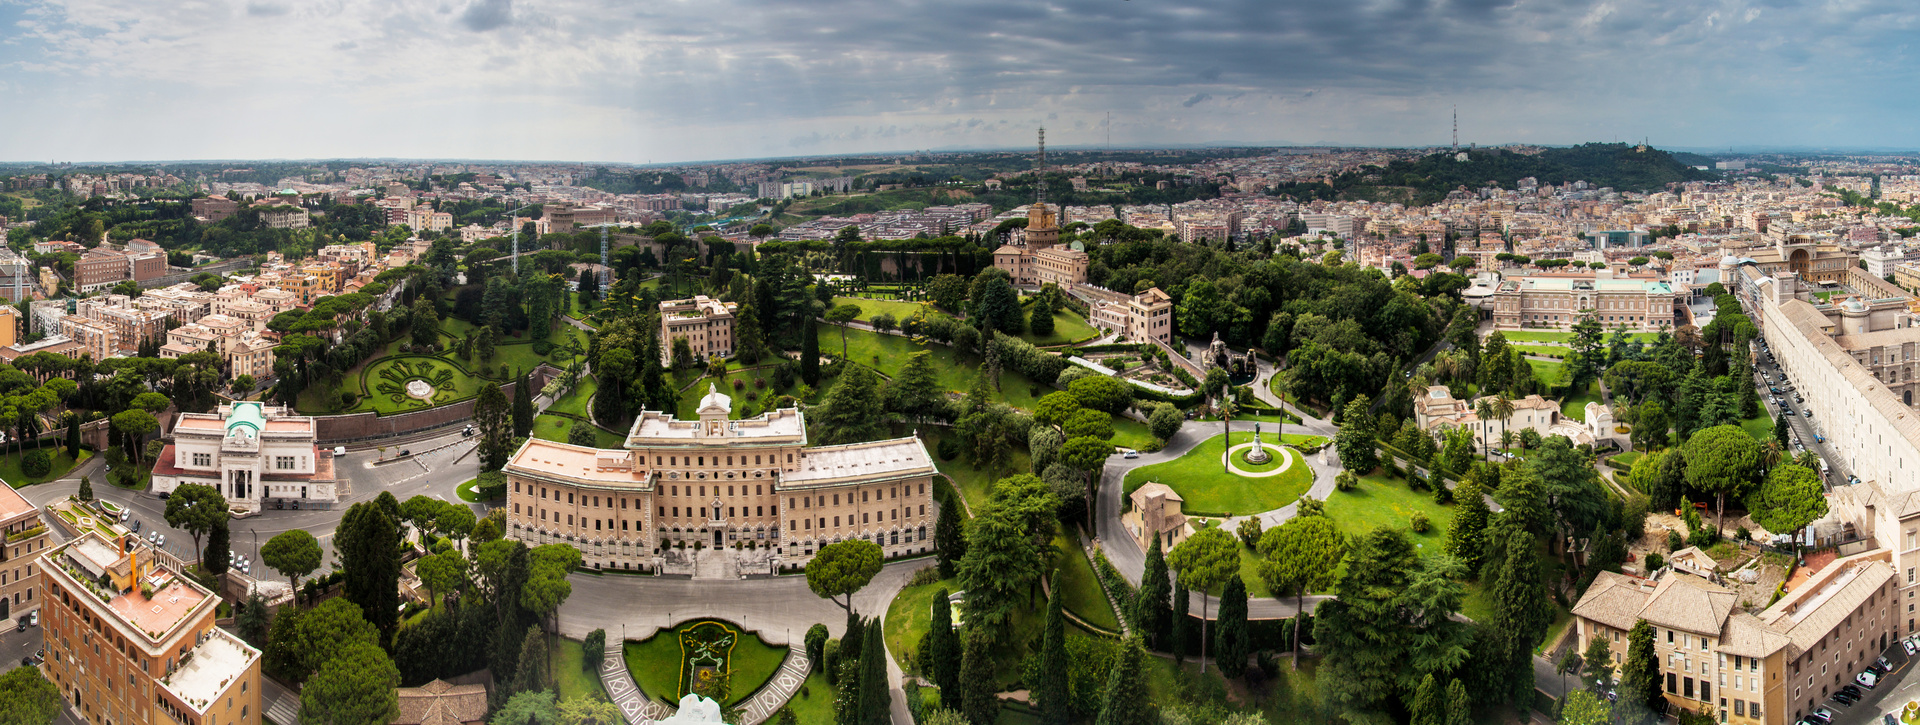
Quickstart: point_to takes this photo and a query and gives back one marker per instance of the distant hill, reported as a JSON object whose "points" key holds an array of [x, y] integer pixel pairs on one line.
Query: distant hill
{"points": [[1429, 178]]}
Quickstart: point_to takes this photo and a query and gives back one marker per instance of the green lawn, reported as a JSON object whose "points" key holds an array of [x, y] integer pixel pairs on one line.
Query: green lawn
{"points": [[908, 617], [1759, 426], [1067, 328], [1548, 374], [575, 401], [1575, 406], [62, 463], [888, 354], [1547, 350], [1628, 458], [467, 493], [570, 671], [974, 483], [1208, 490], [655, 664], [746, 398], [555, 428], [900, 310], [1544, 336], [813, 703], [1383, 502], [1084, 596]]}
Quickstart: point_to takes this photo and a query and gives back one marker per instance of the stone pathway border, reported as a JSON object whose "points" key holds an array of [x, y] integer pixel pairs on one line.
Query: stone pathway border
{"points": [[1286, 463], [778, 690], [633, 704]]}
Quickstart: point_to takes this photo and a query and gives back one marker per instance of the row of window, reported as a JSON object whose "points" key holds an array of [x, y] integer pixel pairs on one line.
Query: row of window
{"points": [[758, 490]]}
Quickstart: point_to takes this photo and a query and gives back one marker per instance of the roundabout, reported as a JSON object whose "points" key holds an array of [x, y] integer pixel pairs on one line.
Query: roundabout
{"points": [[1215, 479], [1259, 462]]}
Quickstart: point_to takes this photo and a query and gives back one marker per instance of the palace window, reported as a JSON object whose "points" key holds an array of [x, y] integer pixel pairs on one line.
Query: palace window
{"points": [[203, 459]]}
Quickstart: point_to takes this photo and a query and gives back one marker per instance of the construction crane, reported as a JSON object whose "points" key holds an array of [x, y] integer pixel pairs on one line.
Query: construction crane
{"points": [[516, 237]]}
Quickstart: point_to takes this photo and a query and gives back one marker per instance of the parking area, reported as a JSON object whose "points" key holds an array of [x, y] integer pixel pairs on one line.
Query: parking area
{"points": [[1890, 692], [15, 644]]}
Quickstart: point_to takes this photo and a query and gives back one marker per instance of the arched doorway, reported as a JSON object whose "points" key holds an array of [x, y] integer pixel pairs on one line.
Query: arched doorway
{"points": [[1909, 396], [1800, 262], [717, 543]]}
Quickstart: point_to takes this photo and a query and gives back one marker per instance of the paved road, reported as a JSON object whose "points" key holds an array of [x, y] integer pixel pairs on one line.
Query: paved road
{"points": [[1890, 695]]}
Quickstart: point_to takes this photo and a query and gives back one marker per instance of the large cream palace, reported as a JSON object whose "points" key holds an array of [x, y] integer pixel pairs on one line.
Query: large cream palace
{"points": [[721, 483]]}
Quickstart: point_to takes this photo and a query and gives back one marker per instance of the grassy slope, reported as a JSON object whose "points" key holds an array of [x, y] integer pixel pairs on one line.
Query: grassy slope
{"points": [[1210, 491], [570, 672], [62, 463], [1082, 591]]}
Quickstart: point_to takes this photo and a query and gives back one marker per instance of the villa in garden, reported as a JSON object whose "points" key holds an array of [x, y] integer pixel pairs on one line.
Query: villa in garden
{"points": [[716, 483], [259, 456], [1439, 410]]}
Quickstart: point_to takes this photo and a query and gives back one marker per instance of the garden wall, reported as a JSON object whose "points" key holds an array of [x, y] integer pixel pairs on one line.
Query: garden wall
{"points": [[369, 426]]}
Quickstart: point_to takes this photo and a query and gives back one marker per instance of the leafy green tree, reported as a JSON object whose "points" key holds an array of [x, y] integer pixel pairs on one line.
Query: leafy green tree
{"points": [[1153, 613], [442, 573], [1204, 561], [916, 393], [251, 620], [494, 418], [1428, 708], [1055, 408], [749, 343], [1467, 535], [367, 545], [1355, 440], [28, 698], [1087, 455], [1101, 392], [1300, 556], [133, 426], [1585, 708], [842, 568], [1235, 642], [976, 699], [949, 539], [816, 643], [1127, 701], [301, 641], [1596, 665], [1389, 625], [943, 646], [1640, 677], [533, 673], [842, 315], [1522, 496], [1000, 568], [86, 488], [1090, 424], [1165, 421], [1723, 460], [196, 509], [852, 412], [354, 687], [426, 323], [592, 710], [1040, 317], [996, 303], [593, 650], [1791, 498]]}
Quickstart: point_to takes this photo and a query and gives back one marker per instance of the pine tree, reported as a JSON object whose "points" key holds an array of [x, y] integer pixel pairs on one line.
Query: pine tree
{"points": [[1126, 701], [976, 700], [1040, 321], [1428, 708], [532, 674], [809, 353], [949, 540], [1354, 442], [1233, 642], [1467, 536], [73, 435], [86, 488], [213, 558], [1459, 706], [1180, 630], [943, 646], [1051, 690], [523, 406], [1152, 610], [749, 344], [1522, 611]]}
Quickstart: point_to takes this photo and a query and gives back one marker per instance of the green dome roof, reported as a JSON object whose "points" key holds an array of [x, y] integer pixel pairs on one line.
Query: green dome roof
{"points": [[248, 414]]}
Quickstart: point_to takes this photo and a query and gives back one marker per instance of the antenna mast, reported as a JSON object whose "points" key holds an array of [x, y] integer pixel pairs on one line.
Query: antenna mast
{"points": [[1456, 129]]}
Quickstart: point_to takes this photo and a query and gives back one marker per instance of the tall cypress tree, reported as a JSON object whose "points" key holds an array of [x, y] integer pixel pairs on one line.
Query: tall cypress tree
{"points": [[1428, 708], [1234, 643], [523, 406], [1052, 687], [1521, 611], [1459, 705], [949, 539], [1180, 633], [214, 558], [943, 646], [749, 344], [73, 435], [367, 542], [809, 353], [976, 700], [1640, 680], [876, 700], [1467, 536], [1152, 608], [1126, 701]]}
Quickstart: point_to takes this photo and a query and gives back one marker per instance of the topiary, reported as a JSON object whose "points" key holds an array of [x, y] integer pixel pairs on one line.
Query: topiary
{"points": [[35, 463], [1419, 523], [542, 347]]}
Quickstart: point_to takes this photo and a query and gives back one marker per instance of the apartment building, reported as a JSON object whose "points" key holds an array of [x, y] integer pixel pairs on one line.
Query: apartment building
{"points": [[25, 537], [94, 337], [258, 456], [1145, 316], [215, 208], [9, 326], [705, 323], [103, 267], [719, 482], [131, 641], [239, 343], [284, 216], [1767, 667]]}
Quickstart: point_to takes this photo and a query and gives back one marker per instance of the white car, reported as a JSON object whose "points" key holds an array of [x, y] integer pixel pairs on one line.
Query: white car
{"points": [[1911, 647], [1866, 680], [1129, 453]]}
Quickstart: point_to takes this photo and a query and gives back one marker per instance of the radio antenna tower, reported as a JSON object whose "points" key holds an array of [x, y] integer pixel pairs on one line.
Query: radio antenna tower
{"points": [[1109, 128], [1040, 190], [1456, 129]]}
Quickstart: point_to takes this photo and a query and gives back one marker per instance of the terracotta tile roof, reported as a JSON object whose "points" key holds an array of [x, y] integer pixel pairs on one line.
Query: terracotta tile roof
{"points": [[1615, 600], [441, 703], [1690, 604]]}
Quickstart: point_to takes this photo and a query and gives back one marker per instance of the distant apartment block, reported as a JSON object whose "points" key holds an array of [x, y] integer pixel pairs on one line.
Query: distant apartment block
{"points": [[239, 344], [101, 268], [284, 216], [215, 208], [705, 323]]}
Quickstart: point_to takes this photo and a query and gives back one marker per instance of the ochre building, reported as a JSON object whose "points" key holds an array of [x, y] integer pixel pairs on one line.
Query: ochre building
{"points": [[717, 482]]}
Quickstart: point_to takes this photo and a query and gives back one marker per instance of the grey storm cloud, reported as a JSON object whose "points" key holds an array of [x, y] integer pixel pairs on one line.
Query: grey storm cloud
{"points": [[1197, 99], [485, 15]]}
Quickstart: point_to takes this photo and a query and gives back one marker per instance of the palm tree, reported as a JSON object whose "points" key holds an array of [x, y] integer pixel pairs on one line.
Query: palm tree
{"points": [[1506, 438], [1502, 409], [1484, 408], [1770, 453]]}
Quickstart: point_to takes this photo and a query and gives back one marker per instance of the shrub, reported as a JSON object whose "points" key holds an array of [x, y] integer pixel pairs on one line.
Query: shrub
{"points": [[1419, 523], [1674, 542], [948, 449], [1655, 562], [348, 398], [492, 485], [1250, 531], [1346, 481], [35, 463], [542, 347], [759, 383]]}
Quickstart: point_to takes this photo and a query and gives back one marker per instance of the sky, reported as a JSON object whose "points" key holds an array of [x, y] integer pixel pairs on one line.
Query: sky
{"points": [[660, 81]]}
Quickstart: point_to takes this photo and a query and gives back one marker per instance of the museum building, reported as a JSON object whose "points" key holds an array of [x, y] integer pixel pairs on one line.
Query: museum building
{"points": [[716, 482]]}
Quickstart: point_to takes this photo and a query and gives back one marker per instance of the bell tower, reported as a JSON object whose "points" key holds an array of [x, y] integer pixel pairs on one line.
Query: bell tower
{"points": [[1043, 223]]}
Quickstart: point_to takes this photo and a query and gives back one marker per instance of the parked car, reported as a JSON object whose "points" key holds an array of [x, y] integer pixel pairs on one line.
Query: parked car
{"points": [[1129, 453], [1910, 646], [1867, 679], [1889, 719], [21, 627], [1852, 689], [161, 542], [1821, 714], [1845, 699], [136, 526], [339, 450], [124, 515], [1883, 664]]}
